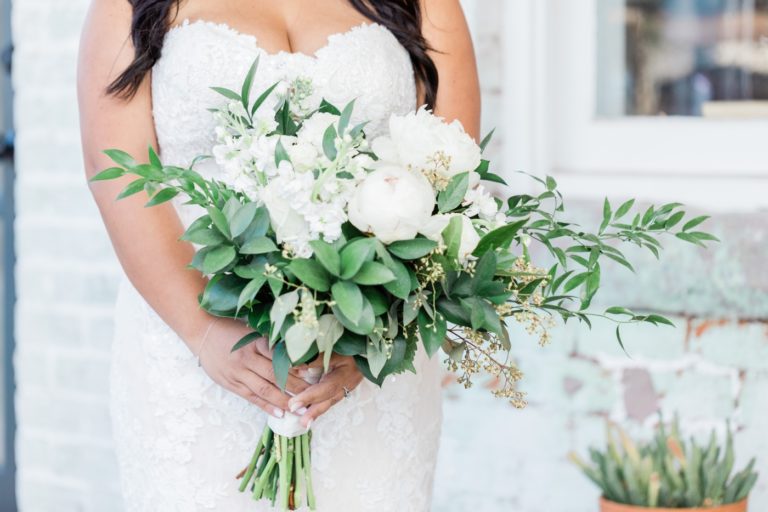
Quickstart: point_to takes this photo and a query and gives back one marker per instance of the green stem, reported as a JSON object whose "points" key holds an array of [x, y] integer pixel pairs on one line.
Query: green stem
{"points": [[258, 489], [256, 454], [298, 491], [308, 470], [283, 485]]}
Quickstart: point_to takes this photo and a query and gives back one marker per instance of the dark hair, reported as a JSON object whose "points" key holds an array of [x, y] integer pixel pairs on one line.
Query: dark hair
{"points": [[152, 19]]}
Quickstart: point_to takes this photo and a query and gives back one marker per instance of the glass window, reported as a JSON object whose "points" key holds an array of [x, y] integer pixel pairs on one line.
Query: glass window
{"points": [[682, 58]]}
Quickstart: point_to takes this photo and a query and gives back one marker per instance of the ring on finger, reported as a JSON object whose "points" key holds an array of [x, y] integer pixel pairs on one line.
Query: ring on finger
{"points": [[347, 392]]}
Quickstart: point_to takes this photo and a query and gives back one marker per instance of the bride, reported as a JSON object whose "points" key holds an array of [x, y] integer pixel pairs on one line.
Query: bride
{"points": [[186, 411]]}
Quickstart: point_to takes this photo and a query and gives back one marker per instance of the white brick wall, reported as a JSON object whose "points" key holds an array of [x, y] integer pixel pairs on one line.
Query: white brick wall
{"points": [[493, 458], [66, 277]]}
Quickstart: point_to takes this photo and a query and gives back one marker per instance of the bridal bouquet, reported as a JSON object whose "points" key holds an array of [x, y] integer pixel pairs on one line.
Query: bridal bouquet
{"points": [[325, 241]]}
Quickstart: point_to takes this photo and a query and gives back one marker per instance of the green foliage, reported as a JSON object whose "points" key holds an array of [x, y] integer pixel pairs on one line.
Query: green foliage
{"points": [[667, 472], [378, 302]]}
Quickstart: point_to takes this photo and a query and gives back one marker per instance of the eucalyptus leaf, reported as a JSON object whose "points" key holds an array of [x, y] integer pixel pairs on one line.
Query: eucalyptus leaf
{"points": [[282, 307], [348, 298], [311, 273], [299, 338], [373, 273]]}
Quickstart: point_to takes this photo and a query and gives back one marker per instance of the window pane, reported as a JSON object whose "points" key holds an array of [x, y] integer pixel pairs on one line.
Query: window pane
{"points": [[682, 57]]}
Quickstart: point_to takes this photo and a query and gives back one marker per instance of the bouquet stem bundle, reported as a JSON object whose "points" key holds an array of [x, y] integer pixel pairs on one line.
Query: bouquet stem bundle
{"points": [[280, 471]]}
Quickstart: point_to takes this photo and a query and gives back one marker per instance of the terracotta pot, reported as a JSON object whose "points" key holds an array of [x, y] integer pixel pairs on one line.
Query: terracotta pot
{"points": [[609, 506]]}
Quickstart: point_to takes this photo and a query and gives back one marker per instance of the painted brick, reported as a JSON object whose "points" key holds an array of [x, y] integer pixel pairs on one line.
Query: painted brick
{"points": [[734, 344]]}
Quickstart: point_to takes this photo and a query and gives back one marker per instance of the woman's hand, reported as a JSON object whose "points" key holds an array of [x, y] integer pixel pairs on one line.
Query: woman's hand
{"points": [[248, 371], [317, 399]]}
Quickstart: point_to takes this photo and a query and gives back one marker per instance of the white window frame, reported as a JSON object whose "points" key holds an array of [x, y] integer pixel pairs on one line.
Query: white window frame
{"points": [[552, 129]]}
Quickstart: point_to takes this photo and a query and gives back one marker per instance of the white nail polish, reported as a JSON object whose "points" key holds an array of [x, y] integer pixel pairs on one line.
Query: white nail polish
{"points": [[309, 425], [301, 411], [278, 413], [295, 406]]}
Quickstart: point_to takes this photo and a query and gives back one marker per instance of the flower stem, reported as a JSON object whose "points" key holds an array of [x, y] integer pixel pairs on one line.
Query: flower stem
{"points": [[259, 489], [308, 470], [256, 454]]}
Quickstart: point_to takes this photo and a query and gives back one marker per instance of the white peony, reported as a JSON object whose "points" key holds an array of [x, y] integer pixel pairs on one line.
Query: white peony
{"points": [[313, 129], [434, 227], [303, 156], [422, 141], [392, 203], [290, 226]]}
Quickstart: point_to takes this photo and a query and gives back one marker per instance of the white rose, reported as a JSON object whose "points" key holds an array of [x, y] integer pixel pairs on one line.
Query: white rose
{"points": [[288, 224], [303, 156], [313, 129], [434, 227], [392, 203], [415, 139]]}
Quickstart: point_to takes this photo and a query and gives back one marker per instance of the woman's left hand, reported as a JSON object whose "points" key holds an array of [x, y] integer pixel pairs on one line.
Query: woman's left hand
{"points": [[318, 398]]}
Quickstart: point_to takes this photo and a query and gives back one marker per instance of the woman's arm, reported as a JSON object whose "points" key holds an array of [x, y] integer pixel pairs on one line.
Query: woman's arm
{"points": [[458, 96], [146, 240]]}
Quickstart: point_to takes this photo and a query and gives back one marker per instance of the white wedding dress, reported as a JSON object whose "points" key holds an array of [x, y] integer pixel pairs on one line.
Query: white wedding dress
{"points": [[180, 438]]}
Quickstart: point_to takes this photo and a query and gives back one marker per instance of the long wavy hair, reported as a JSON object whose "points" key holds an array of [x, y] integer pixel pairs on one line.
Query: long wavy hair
{"points": [[152, 19]]}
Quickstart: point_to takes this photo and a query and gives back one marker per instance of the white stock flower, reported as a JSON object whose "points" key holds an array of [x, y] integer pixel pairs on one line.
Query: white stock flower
{"points": [[392, 203], [303, 156], [422, 141], [434, 227]]}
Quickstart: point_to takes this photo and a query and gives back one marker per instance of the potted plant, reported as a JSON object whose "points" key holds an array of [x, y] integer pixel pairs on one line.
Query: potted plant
{"points": [[667, 474]]}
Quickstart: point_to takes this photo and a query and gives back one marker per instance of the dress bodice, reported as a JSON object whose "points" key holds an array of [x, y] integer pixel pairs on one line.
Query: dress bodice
{"points": [[365, 63]]}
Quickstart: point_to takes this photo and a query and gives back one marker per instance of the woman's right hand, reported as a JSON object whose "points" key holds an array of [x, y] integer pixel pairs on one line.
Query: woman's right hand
{"points": [[248, 371]]}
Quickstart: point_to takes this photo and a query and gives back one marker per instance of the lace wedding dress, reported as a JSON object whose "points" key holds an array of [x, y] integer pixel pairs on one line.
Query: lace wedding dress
{"points": [[180, 438]]}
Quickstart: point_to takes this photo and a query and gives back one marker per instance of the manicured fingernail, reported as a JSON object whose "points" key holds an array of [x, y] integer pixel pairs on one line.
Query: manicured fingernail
{"points": [[278, 413], [301, 411], [295, 405], [309, 425]]}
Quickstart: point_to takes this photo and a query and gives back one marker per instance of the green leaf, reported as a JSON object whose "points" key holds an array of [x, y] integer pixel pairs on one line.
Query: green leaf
{"points": [[624, 209], [412, 249], [366, 323], [203, 236], [219, 220], [486, 140], [121, 158], [132, 188], [695, 222], [373, 273], [245, 341], [499, 238], [674, 219], [607, 215], [263, 97], [218, 259], [329, 108], [243, 218], [258, 227], [452, 236], [227, 93], [327, 256], [350, 344], [329, 143], [154, 160], [247, 83], [329, 332], [250, 291], [346, 115], [162, 196], [354, 254], [109, 174], [281, 155], [311, 273], [575, 281], [260, 245], [377, 357], [618, 310], [551, 183], [298, 339], [485, 270], [621, 342], [281, 308], [658, 319], [281, 364], [401, 286], [221, 294], [454, 193], [432, 331]]}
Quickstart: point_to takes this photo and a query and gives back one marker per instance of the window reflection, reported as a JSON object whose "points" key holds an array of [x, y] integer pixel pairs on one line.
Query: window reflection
{"points": [[681, 57]]}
